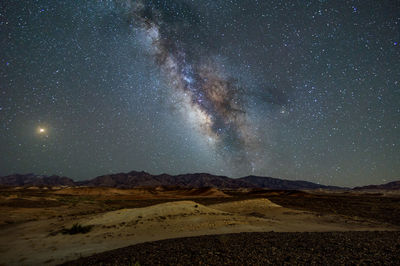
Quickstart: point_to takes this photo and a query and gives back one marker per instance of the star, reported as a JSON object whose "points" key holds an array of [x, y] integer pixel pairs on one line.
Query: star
{"points": [[42, 130]]}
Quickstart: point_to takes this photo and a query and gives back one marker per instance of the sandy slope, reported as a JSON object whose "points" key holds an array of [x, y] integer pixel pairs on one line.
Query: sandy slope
{"points": [[31, 243]]}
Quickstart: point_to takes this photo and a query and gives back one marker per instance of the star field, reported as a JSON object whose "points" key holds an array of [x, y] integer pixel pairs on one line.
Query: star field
{"points": [[299, 90]]}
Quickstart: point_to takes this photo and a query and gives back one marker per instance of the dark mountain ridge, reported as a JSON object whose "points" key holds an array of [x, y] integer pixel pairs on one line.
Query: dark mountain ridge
{"points": [[143, 179], [35, 180], [275, 183], [395, 185]]}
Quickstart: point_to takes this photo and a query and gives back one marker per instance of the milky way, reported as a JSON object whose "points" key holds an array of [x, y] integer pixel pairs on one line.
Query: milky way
{"points": [[214, 101]]}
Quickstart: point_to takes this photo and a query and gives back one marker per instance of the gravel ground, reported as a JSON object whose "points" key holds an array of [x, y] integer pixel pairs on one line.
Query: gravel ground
{"points": [[331, 248]]}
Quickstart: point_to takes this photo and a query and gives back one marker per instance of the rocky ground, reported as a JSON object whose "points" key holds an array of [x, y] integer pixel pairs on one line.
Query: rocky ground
{"points": [[328, 248]]}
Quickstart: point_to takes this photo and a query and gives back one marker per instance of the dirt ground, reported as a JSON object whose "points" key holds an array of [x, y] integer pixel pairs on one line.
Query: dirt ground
{"points": [[33, 218]]}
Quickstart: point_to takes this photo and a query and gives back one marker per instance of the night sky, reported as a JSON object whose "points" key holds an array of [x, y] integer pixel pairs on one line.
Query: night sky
{"points": [[290, 89]]}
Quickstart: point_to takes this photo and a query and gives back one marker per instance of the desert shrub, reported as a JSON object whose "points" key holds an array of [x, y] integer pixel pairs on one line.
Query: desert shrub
{"points": [[77, 229], [108, 201]]}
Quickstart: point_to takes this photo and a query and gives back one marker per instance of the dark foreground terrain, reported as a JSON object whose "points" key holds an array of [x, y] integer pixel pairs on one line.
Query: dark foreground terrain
{"points": [[329, 248]]}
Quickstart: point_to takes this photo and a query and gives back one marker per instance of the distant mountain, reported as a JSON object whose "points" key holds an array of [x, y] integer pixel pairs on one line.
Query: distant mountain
{"points": [[35, 180], [121, 180], [143, 179], [275, 183], [395, 185], [140, 179], [198, 180]]}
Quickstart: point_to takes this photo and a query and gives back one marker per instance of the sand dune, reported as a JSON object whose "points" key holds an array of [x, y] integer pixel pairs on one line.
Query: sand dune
{"points": [[261, 206], [169, 210]]}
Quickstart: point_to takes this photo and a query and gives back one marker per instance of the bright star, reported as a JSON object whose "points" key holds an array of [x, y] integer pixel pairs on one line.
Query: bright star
{"points": [[41, 130]]}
